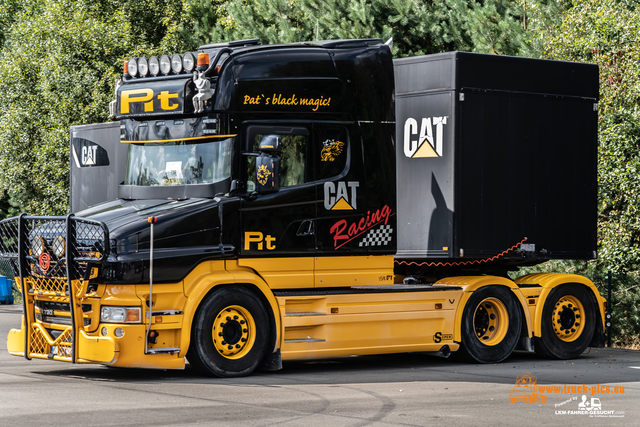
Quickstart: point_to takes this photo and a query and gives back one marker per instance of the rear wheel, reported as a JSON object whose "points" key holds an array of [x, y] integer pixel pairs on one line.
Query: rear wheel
{"points": [[229, 334], [568, 322], [491, 324]]}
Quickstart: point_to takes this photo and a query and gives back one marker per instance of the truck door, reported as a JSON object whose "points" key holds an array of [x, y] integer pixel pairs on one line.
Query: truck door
{"points": [[340, 189], [281, 224]]}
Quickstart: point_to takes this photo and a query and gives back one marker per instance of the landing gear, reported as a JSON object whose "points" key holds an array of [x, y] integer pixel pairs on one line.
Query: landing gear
{"points": [[229, 334]]}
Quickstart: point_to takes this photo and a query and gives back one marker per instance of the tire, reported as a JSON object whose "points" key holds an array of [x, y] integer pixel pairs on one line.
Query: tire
{"points": [[229, 334], [491, 325], [568, 322]]}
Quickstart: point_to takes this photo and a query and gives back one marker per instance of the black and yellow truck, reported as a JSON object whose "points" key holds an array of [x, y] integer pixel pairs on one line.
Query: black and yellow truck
{"points": [[315, 200]]}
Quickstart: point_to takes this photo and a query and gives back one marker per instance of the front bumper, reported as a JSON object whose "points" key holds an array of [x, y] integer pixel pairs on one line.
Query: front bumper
{"points": [[127, 351]]}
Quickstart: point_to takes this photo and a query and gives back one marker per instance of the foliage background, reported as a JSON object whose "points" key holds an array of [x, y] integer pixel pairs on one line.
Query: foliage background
{"points": [[59, 60]]}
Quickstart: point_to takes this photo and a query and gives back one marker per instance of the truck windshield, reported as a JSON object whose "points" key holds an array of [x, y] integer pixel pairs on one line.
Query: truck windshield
{"points": [[179, 162]]}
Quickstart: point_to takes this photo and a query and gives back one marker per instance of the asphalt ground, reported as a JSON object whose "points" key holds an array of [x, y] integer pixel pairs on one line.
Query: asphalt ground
{"points": [[389, 390]]}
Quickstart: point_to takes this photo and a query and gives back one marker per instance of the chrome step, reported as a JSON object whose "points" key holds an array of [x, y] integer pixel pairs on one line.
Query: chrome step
{"points": [[163, 350], [305, 313], [295, 341]]}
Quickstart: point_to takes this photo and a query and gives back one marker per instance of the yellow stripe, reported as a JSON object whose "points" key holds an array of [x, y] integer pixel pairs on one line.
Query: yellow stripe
{"points": [[182, 139]]}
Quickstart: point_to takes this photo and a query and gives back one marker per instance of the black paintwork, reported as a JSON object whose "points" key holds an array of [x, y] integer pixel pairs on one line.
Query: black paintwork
{"points": [[339, 90], [186, 233], [344, 91], [519, 160]]}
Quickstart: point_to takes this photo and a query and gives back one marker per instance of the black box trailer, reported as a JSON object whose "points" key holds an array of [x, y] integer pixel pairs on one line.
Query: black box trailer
{"points": [[491, 150]]}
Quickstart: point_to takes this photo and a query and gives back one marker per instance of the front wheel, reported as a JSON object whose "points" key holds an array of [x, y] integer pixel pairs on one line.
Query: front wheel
{"points": [[491, 325], [229, 334], [568, 322]]}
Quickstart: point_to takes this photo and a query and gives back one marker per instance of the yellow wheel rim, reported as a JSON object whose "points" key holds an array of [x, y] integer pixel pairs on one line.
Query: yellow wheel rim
{"points": [[491, 321], [568, 318], [234, 332]]}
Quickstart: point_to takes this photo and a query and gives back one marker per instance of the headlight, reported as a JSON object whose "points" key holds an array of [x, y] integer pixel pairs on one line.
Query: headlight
{"points": [[133, 67], [154, 65], [112, 314], [143, 66], [189, 62], [37, 246], [165, 64], [58, 246], [176, 63]]}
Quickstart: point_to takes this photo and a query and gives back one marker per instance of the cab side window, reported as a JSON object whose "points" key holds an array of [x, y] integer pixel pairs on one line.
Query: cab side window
{"points": [[294, 156], [331, 146]]}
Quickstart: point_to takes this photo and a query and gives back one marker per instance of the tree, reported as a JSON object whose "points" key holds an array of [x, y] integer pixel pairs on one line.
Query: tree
{"points": [[417, 26], [59, 64], [607, 33]]}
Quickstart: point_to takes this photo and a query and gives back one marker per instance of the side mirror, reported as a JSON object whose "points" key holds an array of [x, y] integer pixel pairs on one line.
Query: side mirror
{"points": [[270, 144], [267, 174]]}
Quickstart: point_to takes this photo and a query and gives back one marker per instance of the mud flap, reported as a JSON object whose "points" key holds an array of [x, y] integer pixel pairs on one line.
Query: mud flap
{"points": [[271, 361], [598, 340], [526, 344]]}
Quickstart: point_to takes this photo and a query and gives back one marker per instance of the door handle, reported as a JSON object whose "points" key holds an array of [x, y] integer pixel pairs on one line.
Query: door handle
{"points": [[306, 228]]}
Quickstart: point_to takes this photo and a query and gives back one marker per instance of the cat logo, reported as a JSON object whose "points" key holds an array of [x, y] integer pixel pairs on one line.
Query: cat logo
{"points": [[338, 198], [331, 149], [89, 155], [416, 147]]}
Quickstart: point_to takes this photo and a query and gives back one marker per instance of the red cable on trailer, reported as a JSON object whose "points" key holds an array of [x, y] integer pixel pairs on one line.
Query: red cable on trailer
{"points": [[454, 264]]}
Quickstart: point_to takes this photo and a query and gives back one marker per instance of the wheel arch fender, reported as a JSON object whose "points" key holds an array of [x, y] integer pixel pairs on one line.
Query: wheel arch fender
{"points": [[471, 284], [548, 282], [208, 280]]}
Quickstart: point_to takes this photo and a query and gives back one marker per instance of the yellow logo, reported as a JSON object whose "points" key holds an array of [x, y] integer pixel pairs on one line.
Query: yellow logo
{"points": [[263, 174], [259, 238], [331, 150], [146, 96], [341, 196]]}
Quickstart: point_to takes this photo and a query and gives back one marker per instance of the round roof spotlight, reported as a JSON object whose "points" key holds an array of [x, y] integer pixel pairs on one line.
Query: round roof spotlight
{"points": [[165, 64], [154, 66], [133, 67], [143, 66], [176, 63], [189, 61]]}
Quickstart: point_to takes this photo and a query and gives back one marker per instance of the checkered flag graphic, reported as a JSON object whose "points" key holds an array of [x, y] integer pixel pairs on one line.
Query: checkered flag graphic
{"points": [[378, 237]]}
